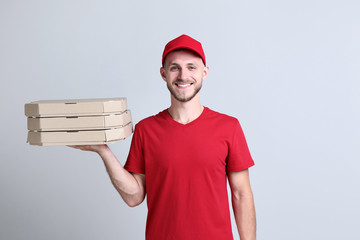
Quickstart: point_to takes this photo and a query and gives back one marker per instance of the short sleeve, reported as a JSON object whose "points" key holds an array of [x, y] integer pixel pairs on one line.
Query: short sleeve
{"points": [[239, 157], [135, 161]]}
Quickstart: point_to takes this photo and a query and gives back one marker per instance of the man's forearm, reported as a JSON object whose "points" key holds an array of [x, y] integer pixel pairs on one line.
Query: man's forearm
{"points": [[244, 211], [125, 183]]}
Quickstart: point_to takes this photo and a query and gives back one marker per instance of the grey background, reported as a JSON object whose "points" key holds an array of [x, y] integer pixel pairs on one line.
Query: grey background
{"points": [[288, 70]]}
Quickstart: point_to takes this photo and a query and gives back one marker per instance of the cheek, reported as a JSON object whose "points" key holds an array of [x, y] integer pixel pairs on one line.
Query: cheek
{"points": [[171, 76], [198, 75]]}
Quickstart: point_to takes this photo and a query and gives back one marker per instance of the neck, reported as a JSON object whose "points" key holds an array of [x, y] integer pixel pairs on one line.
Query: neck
{"points": [[185, 112]]}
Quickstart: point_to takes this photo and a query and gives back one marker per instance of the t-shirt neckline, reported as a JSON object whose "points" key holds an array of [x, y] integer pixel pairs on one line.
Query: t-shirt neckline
{"points": [[172, 121]]}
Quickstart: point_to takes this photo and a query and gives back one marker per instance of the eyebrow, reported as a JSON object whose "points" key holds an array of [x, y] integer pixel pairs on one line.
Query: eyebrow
{"points": [[175, 63]]}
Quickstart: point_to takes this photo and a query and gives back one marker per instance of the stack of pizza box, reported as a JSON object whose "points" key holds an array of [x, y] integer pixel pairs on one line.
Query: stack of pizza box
{"points": [[78, 121]]}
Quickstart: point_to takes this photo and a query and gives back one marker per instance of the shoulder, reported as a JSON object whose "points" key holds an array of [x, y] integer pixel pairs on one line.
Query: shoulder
{"points": [[152, 120], [221, 117]]}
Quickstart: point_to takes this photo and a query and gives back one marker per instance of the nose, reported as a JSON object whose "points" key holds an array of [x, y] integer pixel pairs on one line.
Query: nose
{"points": [[183, 74]]}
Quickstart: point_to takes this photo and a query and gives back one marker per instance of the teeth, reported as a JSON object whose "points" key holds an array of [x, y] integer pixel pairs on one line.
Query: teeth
{"points": [[184, 85]]}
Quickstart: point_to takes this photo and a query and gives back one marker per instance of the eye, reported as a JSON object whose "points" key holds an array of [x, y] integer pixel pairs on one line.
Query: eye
{"points": [[192, 67], [174, 68]]}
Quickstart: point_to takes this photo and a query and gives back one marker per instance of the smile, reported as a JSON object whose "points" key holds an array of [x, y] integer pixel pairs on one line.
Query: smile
{"points": [[183, 85]]}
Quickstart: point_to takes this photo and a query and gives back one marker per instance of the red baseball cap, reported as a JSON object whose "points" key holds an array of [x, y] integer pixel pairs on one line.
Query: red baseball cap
{"points": [[184, 42]]}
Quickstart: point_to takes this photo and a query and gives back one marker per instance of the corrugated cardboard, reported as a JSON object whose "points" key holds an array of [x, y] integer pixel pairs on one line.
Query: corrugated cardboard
{"points": [[79, 122], [75, 107], [85, 137]]}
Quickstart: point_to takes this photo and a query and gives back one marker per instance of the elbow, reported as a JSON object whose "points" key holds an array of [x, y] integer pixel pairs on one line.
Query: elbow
{"points": [[133, 200], [132, 197], [133, 203], [242, 195]]}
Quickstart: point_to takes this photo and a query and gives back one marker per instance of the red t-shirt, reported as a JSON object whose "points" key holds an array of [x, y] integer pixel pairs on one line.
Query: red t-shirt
{"points": [[186, 172]]}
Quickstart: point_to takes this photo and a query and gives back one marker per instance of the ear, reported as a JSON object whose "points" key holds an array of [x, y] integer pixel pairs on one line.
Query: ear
{"points": [[205, 72], [162, 73]]}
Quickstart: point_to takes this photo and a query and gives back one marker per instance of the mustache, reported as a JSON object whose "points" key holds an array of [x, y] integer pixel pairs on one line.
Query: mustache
{"points": [[183, 82]]}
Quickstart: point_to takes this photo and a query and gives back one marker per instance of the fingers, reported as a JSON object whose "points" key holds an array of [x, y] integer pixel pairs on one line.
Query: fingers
{"points": [[82, 147], [93, 148], [76, 146], [72, 146]]}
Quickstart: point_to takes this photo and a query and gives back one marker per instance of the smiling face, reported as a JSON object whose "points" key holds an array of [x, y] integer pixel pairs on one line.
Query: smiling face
{"points": [[183, 72]]}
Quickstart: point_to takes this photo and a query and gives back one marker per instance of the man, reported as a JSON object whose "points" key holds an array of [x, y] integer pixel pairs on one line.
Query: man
{"points": [[182, 157]]}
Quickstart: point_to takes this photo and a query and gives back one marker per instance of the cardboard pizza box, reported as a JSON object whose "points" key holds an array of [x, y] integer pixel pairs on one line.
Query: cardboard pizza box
{"points": [[83, 137], [79, 122], [75, 107]]}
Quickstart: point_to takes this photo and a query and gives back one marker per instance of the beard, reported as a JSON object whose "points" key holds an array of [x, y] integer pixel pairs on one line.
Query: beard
{"points": [[181, 97]]}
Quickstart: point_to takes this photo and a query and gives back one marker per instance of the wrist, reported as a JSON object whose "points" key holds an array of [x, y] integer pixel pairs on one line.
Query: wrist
{"points": [[102, 149]]}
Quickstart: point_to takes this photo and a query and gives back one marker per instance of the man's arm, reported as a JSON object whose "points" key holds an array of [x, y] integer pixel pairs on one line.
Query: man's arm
{"points": [[243, 204], [131, 186]]}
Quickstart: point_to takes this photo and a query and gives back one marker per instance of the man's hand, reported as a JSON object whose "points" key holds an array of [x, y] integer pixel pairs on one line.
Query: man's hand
{"points": [[93, 148]]}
